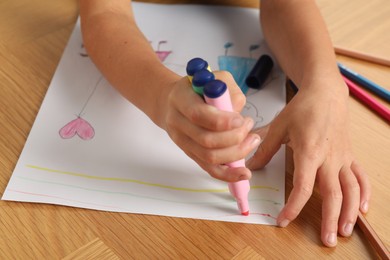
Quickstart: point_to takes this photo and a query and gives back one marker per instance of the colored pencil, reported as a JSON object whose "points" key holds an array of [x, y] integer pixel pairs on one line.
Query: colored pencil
{"points": [[362, 56], [367, 99], [364, 82]]}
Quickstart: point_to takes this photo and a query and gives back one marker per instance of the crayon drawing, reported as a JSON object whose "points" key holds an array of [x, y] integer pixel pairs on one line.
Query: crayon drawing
{"points": [[81, 127], [115, 159], [239, 67]]}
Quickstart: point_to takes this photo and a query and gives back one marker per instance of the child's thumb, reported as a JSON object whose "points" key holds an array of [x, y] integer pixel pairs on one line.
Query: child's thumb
{"points": [[266, 150]]}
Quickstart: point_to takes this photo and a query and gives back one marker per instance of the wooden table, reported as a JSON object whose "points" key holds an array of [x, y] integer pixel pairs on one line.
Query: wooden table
{"points": [[33, 35]]}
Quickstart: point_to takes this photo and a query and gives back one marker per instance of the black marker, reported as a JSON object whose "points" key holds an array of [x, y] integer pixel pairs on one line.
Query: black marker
{"points": [[260, 72]]}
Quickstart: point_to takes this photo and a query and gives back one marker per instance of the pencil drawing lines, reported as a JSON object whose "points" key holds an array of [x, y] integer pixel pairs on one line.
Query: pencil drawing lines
{"points": [[79, 126], [251, 110]]}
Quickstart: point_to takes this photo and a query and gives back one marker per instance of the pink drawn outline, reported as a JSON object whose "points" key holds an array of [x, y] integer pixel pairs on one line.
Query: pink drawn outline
{"points": [[80, 126], [83, 128], [77, 126], [162, 55]]}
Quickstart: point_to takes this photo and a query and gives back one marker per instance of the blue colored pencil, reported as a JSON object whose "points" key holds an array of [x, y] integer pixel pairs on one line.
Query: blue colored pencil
{"points": [[359, 79]]}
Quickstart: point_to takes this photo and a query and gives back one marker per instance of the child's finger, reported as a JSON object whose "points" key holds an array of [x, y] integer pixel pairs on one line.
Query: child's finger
{"points": [[351, 200], [219, 155], [331, 206], [262, 131], [303, 184], [227, 174], [183, 100], [178, 125], [267, 149], [365, 187], [214, 140], [218, 171], [211, 118], [236, 95], [228, 154]]}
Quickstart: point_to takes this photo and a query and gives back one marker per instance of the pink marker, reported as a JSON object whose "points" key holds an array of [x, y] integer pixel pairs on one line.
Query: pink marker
{"points": [[216, 94]]}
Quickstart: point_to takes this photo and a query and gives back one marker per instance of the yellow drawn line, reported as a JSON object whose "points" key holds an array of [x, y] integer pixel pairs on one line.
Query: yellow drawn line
{"points": [[137, 181]]}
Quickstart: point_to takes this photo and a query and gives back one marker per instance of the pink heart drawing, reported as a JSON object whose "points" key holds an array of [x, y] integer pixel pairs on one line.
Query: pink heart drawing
{"points": [[77, 126]]}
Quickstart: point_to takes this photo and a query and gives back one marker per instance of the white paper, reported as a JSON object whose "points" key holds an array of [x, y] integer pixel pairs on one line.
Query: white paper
{"points": [[126, 163]]}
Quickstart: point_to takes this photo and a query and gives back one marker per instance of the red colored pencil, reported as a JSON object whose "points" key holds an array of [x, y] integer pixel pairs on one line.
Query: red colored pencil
{"points": [[367, 99]]}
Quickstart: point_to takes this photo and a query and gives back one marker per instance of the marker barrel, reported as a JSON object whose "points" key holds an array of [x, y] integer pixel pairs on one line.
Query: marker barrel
{"points": [[260, 72], [216, 94]]}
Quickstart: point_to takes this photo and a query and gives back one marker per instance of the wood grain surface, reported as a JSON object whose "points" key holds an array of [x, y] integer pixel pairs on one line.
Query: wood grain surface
{"points": [[33, 34]]}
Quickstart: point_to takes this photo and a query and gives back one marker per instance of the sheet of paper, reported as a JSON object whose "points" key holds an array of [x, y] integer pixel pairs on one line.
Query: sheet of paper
{"points": [[91, 148]]}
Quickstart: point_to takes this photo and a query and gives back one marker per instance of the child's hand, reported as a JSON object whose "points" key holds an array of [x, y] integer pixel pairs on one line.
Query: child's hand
{"points": [[207, 135], [315, 125]]}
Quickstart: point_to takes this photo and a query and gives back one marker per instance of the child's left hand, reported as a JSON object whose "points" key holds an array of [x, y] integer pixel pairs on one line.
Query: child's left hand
{"points": [[315, 125]]}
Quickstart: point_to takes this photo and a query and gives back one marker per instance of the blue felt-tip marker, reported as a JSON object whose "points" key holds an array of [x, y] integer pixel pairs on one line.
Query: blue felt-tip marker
{"points": [[359, 79]]}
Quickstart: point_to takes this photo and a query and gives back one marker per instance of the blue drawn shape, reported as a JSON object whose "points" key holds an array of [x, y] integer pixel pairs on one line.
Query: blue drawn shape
{"points": [[239, 67]]}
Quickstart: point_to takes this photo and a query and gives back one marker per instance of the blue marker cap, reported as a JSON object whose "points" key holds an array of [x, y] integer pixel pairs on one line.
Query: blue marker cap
{"points": [[214, 88], [195, 65], [259, 72], [201, 77]]}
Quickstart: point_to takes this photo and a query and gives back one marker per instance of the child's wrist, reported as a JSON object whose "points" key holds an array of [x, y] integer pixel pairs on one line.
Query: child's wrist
{"points": [[162, 102], [327, 85]]}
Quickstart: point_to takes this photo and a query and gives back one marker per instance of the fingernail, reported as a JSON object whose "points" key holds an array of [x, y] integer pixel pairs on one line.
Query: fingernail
{"points": [[255, 141], [249, 125], [284, 223], [348, 228], [364, 207], [237, 122], [331, 239]]}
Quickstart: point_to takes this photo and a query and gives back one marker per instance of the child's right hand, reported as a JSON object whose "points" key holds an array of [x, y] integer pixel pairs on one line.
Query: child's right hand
{"points": [[207, 135]]}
